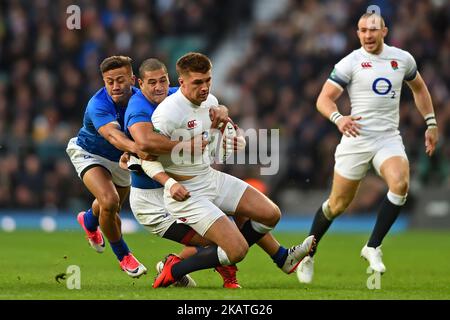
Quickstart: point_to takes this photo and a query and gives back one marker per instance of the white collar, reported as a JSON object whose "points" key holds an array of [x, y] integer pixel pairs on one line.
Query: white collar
{"points": [[186, 100], [381, 55]]}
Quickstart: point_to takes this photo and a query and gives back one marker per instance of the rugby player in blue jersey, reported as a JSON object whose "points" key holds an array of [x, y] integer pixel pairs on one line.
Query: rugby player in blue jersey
{"points": [[95, 154]]}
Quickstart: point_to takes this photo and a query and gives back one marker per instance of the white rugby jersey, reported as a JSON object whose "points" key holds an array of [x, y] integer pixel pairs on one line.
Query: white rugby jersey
{"points": [[374, 84], [177, 117]]}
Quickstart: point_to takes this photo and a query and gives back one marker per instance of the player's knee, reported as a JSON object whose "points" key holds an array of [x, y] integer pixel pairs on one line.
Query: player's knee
{"points": [[337, 206], [109, 203], [238, 252], [400, 186], [271, 216], [275, 216]]}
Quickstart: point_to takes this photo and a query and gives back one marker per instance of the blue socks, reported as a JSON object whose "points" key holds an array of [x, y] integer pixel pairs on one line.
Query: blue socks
{"points": [[90, 221], [120, 248], [280, 257]]}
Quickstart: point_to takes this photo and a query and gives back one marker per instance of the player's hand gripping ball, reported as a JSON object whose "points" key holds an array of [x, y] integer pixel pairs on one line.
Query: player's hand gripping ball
{"points": [[222, 141]]}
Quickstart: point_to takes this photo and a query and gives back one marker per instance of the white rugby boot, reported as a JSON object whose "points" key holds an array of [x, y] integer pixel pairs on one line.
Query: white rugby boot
{"points": [[186, 281], [297, 253], [305, 270], [373, 256]]}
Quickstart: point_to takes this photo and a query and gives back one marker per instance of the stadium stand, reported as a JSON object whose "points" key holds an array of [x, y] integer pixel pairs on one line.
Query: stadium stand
{"points": [[47, 74]]}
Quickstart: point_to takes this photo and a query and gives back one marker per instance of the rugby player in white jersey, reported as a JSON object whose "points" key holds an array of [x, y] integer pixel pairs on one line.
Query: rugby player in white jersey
{"points": [[212, 193], [373, 76], [146, 196]]}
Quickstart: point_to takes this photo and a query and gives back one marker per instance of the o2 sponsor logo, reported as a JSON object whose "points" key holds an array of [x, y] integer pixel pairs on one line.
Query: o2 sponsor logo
{"points": [[382, 87]]}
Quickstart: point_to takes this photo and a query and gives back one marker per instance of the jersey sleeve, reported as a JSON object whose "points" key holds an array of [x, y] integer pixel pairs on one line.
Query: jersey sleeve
{"points": [[138, 111], [342, 72], [136, 117], [214, 100], [163, 122], [411, 67], [100, 114]]}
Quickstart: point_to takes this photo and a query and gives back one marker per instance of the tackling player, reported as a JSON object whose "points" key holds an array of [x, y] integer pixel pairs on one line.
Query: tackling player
{"points": [[95, 154], [373, 76]]}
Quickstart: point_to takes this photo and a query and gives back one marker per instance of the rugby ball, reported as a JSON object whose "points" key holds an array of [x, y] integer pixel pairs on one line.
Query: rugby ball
{"points": [[222, 141]]}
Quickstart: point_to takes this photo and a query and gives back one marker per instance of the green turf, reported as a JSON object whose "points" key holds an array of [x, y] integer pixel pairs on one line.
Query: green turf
{"points": [[418, 266]]}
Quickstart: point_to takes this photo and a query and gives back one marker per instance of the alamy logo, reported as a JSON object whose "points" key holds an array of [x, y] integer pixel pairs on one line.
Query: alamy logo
{"points": [[374, 280], [73, 21], [72, 277], [260, 147]]}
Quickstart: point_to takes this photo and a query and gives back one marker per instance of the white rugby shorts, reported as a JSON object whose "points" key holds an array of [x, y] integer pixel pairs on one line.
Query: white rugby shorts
{"points": [[82, 160], [213, 195], [355, 155], [147, 206]]}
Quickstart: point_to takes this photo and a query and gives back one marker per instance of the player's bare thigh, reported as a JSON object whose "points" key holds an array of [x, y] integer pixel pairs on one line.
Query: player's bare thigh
{"points": [[256, 206], [395, 171], [99, 182], [343, 191]]}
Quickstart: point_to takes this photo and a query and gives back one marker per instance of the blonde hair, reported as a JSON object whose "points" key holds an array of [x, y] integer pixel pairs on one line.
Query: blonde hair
{"points": [[376, 21]]}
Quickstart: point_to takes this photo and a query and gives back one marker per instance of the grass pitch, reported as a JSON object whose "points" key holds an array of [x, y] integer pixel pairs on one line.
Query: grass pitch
{"points": [[418, 267]]}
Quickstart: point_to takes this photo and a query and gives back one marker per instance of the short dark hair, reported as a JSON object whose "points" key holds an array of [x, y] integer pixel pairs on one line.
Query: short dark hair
{"points": [[115, 62], [151, 64], [193, 62]]}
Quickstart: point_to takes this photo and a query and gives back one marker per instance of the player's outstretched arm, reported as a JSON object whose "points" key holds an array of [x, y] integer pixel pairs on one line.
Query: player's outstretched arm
{"points": [[112, 133], [422, 99], [149, 141], [326, 105]]}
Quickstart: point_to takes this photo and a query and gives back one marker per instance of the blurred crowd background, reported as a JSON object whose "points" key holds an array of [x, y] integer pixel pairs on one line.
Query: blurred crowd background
{"points": [[48, 73]]}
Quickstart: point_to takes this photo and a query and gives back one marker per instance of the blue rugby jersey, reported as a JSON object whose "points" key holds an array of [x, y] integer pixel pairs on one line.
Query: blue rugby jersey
{"points": [[140, 109], [101, 110]]}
